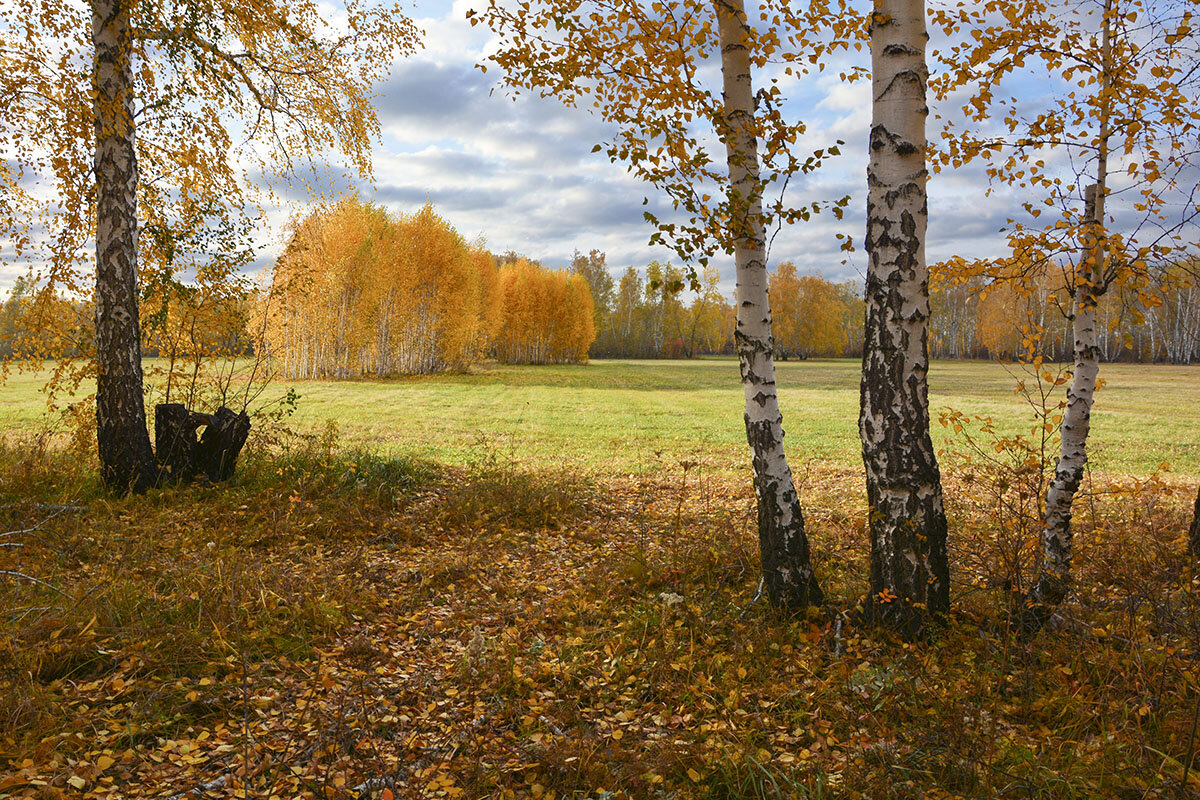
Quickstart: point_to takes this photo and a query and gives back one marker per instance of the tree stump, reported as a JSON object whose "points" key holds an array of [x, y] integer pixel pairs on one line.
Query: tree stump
{"points": [[217, 452], [1194, 534], [175, 442], [182, 456]]}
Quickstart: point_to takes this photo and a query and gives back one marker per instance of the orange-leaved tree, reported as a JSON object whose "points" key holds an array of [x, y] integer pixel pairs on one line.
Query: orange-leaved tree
{"points": [[809, 314], [132, 132], [639, 65], [548, 316], [360, 291]]}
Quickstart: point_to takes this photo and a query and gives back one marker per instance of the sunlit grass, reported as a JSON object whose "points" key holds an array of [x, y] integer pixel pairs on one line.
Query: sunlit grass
{"points": [[617, 417]]}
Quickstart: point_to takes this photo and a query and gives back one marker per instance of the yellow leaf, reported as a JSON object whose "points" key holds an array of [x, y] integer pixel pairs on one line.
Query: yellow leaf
{"points": [[695, 776]]}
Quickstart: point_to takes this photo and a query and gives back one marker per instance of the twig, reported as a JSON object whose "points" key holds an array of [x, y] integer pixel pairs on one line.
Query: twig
{"points": [[216, 783], [368, 787], [38, 581], [754, 599], [44, 507], [549, 723]]}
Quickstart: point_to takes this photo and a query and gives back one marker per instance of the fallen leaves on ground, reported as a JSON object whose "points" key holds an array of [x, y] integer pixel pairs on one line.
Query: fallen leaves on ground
{"points": [[329, 641]]}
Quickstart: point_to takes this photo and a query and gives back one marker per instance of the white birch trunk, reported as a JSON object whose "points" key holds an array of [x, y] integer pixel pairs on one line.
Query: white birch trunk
{"points": [[783, 546], [909, 567], [123, 442], [1054, 578]]}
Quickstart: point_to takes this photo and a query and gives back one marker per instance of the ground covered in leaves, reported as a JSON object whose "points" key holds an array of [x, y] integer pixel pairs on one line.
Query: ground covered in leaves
{"points": [[339, 625]]}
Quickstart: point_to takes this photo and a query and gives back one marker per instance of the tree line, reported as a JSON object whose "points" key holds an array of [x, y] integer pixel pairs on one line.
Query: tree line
{"points": [[1158, 322], [662, 312], [646, 313]]}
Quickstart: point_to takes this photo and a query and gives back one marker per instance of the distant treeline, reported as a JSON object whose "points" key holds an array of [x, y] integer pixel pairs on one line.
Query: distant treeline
{"points": [[360, 291], [1157, 322], [659, 314], [654, 315]]}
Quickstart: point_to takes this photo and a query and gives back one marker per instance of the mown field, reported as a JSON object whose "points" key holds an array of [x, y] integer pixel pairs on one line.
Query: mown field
{"points": [[611, 417], [541, 583]]}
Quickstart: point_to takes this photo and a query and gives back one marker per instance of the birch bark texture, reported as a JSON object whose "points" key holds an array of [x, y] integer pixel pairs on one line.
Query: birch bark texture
{"points": [[1194, 532], [909, 569], [788, 575], [1054, 576], [126, 458]]}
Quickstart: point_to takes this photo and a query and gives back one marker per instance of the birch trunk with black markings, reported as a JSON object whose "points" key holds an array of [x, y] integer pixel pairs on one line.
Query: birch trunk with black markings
{"points": [[909, 567], [1054, 577], [126, 459], [788, 575]]}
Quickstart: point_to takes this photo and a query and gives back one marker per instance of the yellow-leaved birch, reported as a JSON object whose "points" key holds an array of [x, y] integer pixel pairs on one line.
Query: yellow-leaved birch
{"points": [[1086, 104], [132, 134], [638, 65]]}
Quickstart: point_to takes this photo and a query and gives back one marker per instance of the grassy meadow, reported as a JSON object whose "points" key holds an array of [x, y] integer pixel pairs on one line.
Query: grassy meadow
{"points": [[540, 583], [612, 417]]}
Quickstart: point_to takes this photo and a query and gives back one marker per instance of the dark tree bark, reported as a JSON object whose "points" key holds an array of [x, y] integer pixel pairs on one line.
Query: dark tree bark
{"points": [[1194, 534], [175, 441], [910, 578], [217, 452], [182, 456], [126, 459]]}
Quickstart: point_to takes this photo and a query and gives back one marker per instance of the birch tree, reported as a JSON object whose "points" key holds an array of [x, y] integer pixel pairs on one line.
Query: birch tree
{"points": [[189, 104], [126, 458], [909, 567], [637, 64], [1120, 112], [783, 545]]}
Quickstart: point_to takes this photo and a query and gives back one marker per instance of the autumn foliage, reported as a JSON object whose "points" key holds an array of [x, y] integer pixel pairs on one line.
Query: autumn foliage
{"points": [[548, 316], [360, 291], [810, 315], [1010, 316]]}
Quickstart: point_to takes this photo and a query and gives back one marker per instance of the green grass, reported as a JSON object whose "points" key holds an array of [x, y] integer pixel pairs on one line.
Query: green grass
{"points": [[613, 417]]}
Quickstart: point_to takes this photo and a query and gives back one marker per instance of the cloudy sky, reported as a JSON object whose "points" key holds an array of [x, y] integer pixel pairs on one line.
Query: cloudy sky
{"points": [[521, 174]]}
